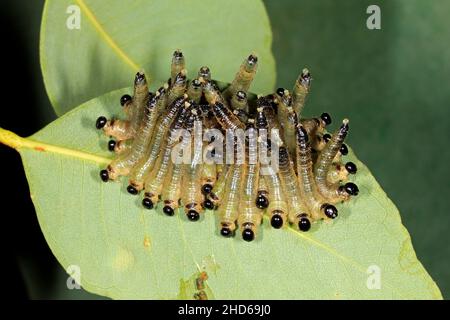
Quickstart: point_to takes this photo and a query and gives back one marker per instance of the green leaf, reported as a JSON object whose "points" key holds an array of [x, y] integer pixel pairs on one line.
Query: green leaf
{"points": [[125, 251], [117, 38]]}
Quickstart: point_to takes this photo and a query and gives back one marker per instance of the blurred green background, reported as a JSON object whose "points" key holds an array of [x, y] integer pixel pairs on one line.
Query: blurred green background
{"points": [[393, 84]]}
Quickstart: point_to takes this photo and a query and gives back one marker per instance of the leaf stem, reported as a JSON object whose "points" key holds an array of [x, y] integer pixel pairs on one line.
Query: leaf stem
{"points": [[12, 140]]}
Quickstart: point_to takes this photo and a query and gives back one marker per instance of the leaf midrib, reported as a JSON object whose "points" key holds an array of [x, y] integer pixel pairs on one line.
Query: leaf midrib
{"points": [[105, 36]]}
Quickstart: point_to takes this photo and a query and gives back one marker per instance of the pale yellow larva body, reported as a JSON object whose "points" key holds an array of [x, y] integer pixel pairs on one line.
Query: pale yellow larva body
{"points": [[171, 192], [208, 175], [194, 91], [217, 193], [243, 78], [250, 217], [143, 169], [229, 208], [300, 91], [331, 192], [118, 129], [178, 87], [239, 101], [277, 200], [191, 194], [139, 102], [307, 186], [127, 160], [296, 205], [178, 64]]}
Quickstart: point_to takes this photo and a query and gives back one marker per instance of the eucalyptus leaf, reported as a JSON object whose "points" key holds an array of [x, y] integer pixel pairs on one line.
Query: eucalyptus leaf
{"points": [[125, 251], [116, 38]]}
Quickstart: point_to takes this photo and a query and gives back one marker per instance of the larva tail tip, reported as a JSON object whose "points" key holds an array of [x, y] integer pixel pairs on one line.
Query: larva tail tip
{"points": [[177, 53], [305, 72], [252, 59], [140, 77]]}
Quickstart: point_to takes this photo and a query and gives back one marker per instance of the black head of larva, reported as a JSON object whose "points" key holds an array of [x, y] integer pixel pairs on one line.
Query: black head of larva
{"points": [[111, 145], [124, 99], [206, 189], [262, 202], [168, 211], [248, 234], [101, 122], [132, 190], [304, 224], [326, 137], [104, 175], [351, 167], [276, 221], [147, 203], [344, 149], [351, 188], [326, 118], [208, 204], [193, 215], [226, 232], [330, 211], [280, 92]]}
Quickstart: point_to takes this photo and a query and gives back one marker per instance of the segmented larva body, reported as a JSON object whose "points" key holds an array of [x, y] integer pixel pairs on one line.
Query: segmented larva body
{"points": [[229, 209], [146, 163], [309, 179], [250, 216], [298, 211], [214, 197]]}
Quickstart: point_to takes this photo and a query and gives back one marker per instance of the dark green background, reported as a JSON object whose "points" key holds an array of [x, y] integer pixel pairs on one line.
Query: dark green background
{"points": [[393, 84]]}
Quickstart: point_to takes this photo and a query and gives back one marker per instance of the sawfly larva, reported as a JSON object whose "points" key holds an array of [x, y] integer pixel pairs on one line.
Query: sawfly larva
{"points": [[309, 179]]}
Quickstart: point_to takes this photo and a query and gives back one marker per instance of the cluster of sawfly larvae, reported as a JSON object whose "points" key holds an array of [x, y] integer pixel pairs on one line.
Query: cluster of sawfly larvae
{"points": [[310, 179]]}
